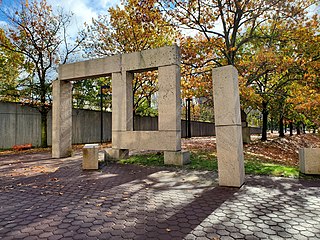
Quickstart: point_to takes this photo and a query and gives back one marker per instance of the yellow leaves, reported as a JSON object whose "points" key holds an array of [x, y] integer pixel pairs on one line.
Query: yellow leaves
{"points": [[134, 27]]}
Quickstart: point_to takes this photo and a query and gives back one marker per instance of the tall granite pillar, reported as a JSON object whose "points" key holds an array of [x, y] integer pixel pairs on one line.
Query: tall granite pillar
{"points": [[122, 111], [169, 103], [170, 112], [228, 126], [62, 119]]}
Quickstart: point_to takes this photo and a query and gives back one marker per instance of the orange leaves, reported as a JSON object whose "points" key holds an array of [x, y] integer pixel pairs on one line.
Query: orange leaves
{"points": [[196, 57]]}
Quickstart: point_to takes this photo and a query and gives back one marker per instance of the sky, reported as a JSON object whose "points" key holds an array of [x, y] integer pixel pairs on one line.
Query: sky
{"points": [[83, 10]]}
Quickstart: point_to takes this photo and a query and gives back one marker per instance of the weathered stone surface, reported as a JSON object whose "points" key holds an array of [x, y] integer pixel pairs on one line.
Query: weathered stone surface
{"points": [[230, 156], [121, 68], [151, 59], [90, 68], [226, 96], [62, 119], [147, 140], [228, 126], [122, 101], [176, 157], [309, 160], [90, 157], [167, 60], [169, 103], [113, 153]]}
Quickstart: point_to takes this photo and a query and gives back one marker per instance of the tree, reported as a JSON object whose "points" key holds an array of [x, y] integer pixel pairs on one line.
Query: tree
{"points": [[277, 60], [40, 35], [230, 25], [196, 75], [86, 94], [136, 26], [11, 64]]}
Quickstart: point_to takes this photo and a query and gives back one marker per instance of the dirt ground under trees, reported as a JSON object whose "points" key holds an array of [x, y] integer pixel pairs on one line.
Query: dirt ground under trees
{"points": [[277, 150]]}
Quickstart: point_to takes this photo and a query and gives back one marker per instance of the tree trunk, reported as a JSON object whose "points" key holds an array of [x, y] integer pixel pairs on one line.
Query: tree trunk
{"points": [[264, 121], [271, 124], [244, 118], [291, 128], [303, 128], [281, 131], [298, 129], [44, 133]]}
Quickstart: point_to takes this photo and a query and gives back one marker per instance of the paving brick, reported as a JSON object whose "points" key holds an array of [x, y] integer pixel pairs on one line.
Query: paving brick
{"points": [[134, 202]]}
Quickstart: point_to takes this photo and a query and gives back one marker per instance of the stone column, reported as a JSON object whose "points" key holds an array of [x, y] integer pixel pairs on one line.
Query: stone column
{"points": [[169, 99], [228, 126], [122, 111], [62, 119], [169, 102]]}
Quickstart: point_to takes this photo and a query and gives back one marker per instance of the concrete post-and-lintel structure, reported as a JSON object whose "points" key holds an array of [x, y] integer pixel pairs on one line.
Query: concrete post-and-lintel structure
{"points": [[228, 126], [168, 137], [121, 68]]}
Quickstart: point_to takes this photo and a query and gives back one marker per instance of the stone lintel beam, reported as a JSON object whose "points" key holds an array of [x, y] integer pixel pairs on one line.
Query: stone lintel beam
{"points": [[151, 59], [90, 68]]}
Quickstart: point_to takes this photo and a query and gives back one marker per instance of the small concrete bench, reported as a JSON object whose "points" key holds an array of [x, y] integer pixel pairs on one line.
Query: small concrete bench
{"points": [[309, 160], [90, 157]]}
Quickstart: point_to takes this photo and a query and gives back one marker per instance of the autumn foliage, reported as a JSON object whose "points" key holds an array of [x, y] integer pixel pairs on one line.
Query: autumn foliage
{"points": [[275, 46]]}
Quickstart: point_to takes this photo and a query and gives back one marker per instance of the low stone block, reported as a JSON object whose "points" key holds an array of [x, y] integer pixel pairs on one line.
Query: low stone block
{"points": [[90, 157], [309, 160], [176, 158], [115, 154]]}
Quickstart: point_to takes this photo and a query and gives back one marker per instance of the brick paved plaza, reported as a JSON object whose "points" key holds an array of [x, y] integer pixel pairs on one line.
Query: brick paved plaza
{"points": [[44, 198]]}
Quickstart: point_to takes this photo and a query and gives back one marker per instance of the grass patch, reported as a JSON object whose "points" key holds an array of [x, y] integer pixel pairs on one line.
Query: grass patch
{"points": [[256, 167], [145, 160], [208, 161], [203, 161]]}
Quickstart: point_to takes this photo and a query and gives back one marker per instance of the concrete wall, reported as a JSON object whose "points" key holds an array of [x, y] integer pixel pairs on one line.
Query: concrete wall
{"points": [[21, 124]]}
